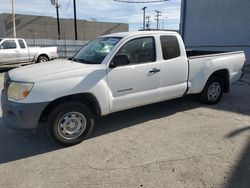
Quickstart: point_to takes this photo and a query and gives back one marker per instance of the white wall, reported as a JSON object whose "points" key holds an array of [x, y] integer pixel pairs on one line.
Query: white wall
{"points": [[216, 24]]}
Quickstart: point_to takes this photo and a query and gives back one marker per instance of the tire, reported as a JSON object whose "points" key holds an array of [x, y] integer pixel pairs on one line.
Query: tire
{"points": [[70, 123], [212, 91], [42, 59]]}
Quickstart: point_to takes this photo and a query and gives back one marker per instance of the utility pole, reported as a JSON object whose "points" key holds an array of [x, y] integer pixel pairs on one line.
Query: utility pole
{"points": [[158, 14], [148, 22], [58, 20], [56, 4], [13, 18], [75, 21], [144, 10]]}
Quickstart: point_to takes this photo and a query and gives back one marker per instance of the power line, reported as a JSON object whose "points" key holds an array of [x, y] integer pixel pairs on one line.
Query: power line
{"points": [[63, 10]]}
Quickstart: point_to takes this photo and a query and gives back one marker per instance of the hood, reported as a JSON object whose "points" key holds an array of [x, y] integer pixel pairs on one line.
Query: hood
{"points": [[33, 72]]}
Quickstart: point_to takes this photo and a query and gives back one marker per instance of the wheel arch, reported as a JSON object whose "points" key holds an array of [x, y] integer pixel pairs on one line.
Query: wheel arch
{"points": [[223, 74], [39, 55], [86, 98]]}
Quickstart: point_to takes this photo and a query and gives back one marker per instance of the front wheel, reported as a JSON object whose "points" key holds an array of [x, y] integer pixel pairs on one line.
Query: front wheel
{"points": [[212, 91], [70, 123]]}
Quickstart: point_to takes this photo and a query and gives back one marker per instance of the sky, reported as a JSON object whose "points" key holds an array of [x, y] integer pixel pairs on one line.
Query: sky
{"points": [[102, 10]]}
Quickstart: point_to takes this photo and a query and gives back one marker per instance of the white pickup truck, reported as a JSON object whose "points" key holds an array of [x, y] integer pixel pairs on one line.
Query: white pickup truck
{"points": [[15, 50], [112, 73]]}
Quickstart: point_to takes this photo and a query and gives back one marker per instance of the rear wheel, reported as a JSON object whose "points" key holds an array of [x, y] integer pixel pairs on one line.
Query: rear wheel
{"points": [[70, 123], [42, 59], [212, 91]]}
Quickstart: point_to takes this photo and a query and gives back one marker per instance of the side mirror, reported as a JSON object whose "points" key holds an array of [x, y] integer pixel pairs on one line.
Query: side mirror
{"points": [[120, 60], [1, 47]]}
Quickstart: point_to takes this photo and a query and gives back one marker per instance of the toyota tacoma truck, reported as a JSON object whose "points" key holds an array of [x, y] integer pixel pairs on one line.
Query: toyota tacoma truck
{"points": [[113, 73], [15, 50]]}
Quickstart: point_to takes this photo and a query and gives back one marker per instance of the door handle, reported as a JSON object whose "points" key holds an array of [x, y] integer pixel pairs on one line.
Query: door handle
{"points": [[154, 70]]}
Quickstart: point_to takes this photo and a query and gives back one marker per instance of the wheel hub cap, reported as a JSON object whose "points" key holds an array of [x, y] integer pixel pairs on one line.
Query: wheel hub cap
{"points": [[214, 91], [71, 125]]}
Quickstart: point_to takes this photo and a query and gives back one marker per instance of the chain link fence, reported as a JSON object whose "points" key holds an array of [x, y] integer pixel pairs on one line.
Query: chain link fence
{"points": [[65, 48]]}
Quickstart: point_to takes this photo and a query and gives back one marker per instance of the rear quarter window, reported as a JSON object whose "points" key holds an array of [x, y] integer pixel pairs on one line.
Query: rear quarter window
{"points": [[21, 44], [170, 47]]}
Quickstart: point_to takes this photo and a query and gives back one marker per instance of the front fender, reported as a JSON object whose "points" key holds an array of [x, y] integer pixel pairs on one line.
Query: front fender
{"points": [[53, 87]]}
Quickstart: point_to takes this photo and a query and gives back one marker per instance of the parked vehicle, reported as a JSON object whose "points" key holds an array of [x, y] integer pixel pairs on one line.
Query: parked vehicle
{"points": [[112, 73], [14, 50]]}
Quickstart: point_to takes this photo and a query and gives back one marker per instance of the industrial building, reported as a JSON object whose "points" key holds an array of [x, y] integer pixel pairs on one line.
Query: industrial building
{"points": [[216, 25], [44, 27]]}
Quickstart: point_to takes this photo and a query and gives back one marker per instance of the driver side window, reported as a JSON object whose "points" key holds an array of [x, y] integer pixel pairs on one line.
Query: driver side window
{"points": [[9, 44], [140, 50]]}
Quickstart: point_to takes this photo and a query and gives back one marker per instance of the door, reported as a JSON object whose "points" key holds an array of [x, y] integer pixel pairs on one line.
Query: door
{"points": [[138, 82], [8, 52], [175, 68]]}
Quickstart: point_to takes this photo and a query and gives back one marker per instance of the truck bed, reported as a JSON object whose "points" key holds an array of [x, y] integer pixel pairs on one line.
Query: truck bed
{"points": [[203, 63], [192, 53]]}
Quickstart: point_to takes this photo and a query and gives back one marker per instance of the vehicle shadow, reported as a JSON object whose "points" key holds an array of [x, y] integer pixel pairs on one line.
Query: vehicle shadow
{"points": [[16, 144], [127, 118], [240, 177], [131, 117], [6, 68]]}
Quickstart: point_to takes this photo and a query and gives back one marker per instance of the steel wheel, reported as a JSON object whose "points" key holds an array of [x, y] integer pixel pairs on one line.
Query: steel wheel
{"points": [[72, 125], [42, 59], [214, 91]]}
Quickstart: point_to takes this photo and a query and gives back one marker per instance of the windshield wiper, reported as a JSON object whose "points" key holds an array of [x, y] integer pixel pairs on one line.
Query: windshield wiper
{"points": [[82, 61], [77, 60]]}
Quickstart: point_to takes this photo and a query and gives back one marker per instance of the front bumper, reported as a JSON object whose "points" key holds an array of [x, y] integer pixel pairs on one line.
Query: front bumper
{"points": [[21, 115]]}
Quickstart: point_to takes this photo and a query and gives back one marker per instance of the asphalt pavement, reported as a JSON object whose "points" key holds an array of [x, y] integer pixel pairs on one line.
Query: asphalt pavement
{"points": [[177, 143]]}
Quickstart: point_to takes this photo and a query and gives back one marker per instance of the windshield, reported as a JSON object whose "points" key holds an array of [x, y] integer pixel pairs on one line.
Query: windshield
{"points": [[95, 51]]}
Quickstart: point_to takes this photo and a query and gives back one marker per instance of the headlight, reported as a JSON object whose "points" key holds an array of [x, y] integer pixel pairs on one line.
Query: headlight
{"points": [[18, 90]]}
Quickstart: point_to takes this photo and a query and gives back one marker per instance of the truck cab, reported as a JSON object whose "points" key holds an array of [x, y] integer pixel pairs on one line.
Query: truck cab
{"points": [[13, 51], [148, 75]]}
